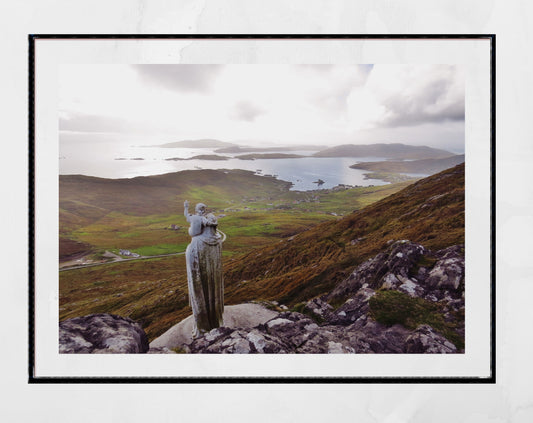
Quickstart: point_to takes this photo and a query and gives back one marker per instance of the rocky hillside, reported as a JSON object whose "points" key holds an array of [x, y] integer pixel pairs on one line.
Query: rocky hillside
{"points": [[406, 299], [429, 212]]}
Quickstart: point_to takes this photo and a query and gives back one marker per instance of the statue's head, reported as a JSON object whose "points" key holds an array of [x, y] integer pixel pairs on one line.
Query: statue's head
{"points": [[201, 209]]}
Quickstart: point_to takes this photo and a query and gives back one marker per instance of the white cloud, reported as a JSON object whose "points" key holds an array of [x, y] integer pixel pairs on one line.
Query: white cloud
{"points": [[266, 103], [408, 95]]}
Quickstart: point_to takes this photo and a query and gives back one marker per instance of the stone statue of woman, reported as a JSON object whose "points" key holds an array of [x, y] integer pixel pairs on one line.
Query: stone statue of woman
{"points": [[204, 270]]}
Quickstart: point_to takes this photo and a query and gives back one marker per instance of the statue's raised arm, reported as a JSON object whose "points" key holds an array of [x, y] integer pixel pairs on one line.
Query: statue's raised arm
{"points": [[186, 210]]}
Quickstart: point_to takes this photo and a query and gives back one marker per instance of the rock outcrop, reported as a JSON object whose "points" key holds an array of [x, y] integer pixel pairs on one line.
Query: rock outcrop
{"points": [[101, 334], [410, 268], [421, 281], [406, 299]]}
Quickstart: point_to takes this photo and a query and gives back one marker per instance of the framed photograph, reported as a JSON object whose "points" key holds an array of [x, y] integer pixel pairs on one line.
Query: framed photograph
{"points": [[262, 208]]}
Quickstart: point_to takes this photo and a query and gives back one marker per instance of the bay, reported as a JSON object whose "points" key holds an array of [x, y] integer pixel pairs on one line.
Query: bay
{"points": [[120, 160]]}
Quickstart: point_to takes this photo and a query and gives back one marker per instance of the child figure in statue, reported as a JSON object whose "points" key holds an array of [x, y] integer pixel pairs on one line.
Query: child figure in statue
{"points": [[204, 270]]}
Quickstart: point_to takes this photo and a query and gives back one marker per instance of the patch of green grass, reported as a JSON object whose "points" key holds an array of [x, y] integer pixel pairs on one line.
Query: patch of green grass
{"points": [[394, 307], [390, 177], [154, 250]]}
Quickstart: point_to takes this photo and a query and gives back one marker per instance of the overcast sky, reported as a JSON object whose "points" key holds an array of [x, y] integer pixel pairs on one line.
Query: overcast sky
{"points": [[264, 104]]}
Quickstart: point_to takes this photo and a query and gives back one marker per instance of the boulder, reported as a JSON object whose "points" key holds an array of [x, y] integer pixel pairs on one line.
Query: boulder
{"points": [[426, 340], [448, 272], [387, 270], [319, 310], [292, 333], [101, 334], [240, 315], [237, 341]]}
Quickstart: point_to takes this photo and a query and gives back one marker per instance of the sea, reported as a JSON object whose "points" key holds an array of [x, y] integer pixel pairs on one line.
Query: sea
{"points": [[122, 160]]}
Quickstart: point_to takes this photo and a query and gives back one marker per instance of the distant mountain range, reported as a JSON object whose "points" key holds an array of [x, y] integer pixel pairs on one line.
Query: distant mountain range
{"points": [[387, 151], [424, 166], [245, 149], [396, 151], [254, 156]]}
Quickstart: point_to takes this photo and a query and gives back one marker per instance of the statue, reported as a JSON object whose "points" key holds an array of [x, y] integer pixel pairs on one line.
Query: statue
{"points": [[204, 270]]}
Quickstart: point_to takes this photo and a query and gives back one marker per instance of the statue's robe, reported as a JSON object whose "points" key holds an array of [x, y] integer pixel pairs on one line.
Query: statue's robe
{"points": [[204, 274]]}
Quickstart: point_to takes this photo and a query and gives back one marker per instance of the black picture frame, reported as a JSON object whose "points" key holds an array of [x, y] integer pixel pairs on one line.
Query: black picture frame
{"points": [[33, 379]]}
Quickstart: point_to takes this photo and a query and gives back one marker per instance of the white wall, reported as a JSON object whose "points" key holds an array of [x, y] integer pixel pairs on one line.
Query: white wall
{"points": [[511, 399]]}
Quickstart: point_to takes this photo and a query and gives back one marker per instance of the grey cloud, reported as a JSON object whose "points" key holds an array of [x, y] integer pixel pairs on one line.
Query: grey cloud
{"points": [[246, 111], [183, 78], [431, 104]]}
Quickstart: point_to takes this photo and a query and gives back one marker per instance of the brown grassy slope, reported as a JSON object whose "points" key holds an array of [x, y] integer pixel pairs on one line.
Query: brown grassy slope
{"points": [[69, 248], [430, 212], [129, 289]]}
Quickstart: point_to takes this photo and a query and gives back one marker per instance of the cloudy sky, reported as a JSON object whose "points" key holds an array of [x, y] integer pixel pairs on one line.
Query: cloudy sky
{"points": [[264, 104]]}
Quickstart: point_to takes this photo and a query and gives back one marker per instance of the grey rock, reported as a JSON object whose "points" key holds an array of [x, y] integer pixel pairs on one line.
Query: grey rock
{"points": [[296, 333], [385, 270], [236, 341], [447, 273], [101, 334], [319, 309], [353, 308], [410, 287], [235, 316], [426, 340]]}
